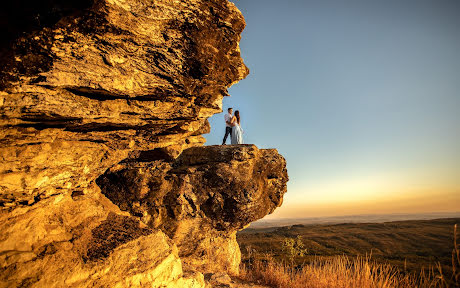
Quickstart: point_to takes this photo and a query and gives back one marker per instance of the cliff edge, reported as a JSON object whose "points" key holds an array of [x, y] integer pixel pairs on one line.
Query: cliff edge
{"points": [[104, 181]]}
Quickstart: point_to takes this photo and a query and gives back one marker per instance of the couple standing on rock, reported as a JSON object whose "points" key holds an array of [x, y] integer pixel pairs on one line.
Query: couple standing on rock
{"points": [[233, 127]]}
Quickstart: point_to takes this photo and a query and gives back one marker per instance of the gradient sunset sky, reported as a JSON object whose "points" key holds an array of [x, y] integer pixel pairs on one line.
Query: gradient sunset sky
{"points": [[362, 97]]}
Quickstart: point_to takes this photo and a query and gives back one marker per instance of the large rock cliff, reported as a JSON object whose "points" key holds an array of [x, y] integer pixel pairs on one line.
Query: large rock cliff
{"points": [[104, 181], [202, 198]]}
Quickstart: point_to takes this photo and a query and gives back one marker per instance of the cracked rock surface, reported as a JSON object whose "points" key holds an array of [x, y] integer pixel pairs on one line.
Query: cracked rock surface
{"points": [[202, 198], [116, 77], [104, 179]]}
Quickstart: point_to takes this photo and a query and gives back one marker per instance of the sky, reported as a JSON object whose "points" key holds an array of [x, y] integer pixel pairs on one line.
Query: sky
{"points": [[362, 98]]}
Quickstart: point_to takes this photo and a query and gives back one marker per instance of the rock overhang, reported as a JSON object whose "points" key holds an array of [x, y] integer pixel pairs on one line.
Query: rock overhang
{"points": [[123, 89]]}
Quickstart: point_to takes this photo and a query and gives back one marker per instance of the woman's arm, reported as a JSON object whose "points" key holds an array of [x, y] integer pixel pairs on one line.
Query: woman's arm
{"points": [[232, 122]]}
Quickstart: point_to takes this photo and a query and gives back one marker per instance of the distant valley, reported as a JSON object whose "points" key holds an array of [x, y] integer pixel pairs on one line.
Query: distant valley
{"points": [[409, 245], [366, 218]]}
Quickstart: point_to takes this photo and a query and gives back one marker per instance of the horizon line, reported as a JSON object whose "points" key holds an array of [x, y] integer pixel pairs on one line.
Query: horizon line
{"points": [[354, 215]]}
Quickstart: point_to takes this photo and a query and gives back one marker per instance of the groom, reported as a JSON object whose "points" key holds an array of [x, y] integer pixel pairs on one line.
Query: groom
{"points": [[228, 127]]}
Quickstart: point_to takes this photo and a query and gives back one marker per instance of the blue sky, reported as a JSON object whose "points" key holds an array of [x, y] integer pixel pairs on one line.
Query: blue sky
{"points": [[362, 97]]}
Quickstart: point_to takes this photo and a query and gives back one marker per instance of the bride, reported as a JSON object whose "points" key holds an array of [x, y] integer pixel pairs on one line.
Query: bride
{"points": [[237, 132]]}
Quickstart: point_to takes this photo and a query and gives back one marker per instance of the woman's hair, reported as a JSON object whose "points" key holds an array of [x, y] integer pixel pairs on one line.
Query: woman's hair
{"points": [[237, 115]]}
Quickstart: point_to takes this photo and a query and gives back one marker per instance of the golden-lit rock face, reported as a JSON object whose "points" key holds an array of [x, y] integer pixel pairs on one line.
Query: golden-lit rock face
{"points": [[202, 198], [103, 178], [121, 76], [85, 242]]}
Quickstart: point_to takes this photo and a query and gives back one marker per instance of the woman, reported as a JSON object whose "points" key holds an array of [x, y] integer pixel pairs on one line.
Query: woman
{"points": [[237, 132]]}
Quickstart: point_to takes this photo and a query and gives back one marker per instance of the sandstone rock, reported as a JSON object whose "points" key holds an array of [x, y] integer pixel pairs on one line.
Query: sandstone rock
{"points": [[223, 280], [202, 198], [120, 91], [85, 242], [220, 280], [116, 77]]}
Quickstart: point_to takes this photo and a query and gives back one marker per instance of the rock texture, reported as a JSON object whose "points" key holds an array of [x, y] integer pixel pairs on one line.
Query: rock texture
{"points": [[120, 76], [103, 178], [202, 198], [63, 242]]}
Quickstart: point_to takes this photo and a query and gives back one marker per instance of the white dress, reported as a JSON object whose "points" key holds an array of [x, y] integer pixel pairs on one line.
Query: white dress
{"points": [[237, 134]]}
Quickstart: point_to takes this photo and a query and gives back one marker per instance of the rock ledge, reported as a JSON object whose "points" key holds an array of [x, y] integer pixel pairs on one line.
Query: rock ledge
{"points": [[103, 178]]}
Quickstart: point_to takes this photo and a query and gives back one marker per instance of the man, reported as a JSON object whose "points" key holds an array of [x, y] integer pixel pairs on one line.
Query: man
{"points": [[228, 127]]}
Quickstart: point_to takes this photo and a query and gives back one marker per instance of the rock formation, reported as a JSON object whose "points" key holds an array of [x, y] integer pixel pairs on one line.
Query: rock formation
{"points": [[103, 178], [202, 198]]}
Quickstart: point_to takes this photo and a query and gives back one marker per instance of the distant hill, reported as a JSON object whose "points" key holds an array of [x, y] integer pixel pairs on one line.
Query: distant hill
{"points": [[405, 244], [366, 218]]}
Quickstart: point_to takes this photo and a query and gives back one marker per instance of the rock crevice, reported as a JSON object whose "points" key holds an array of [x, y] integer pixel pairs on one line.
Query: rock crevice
{"points": [[104, 180], [202, 198]]}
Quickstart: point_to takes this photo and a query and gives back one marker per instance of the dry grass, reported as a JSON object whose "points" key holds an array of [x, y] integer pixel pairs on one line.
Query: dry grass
{"points": [[339, 271], [346, 272], [408, 245]]}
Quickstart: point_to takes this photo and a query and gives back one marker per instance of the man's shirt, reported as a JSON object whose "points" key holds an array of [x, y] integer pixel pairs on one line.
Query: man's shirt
{"points": [[228, 117]]}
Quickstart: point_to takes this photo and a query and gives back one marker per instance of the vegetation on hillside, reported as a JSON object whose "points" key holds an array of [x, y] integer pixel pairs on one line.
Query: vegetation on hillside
{"points": [[285, 264]]}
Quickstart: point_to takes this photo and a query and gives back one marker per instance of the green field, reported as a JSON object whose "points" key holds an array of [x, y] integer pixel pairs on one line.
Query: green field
{"points": [[410, 245]]}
